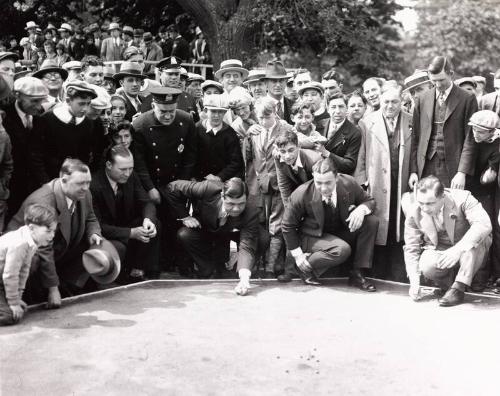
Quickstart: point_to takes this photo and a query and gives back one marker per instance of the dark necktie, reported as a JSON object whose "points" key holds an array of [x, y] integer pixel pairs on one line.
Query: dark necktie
{"points": [[73, 120]]}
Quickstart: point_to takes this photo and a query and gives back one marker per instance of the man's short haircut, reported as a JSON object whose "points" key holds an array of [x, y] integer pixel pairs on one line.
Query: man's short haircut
{"points": [[300, 106], [286, 137], [333, 75], [49, 42], [91, 60], [234, 188], [378, 80], [71, 165], [117, 151], [114, 128], [431, 183], [357, 94], [391, 87], [439, 64], [325, 165], [265, 105], [41, 215], [338, 95]]}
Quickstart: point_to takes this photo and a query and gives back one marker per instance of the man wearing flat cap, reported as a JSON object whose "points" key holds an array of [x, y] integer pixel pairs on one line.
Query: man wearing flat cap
{"points": [[165, 149], [20, 116], [66, 132], [170, 69]]}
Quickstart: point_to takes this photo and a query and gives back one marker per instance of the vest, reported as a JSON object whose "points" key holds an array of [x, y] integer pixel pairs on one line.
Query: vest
{"points": [[436, 141], [443, 240], [332, 219]]}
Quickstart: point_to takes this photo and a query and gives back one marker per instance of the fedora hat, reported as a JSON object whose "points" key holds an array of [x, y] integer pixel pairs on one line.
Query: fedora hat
{"points": [[102, 262], [65, 27], [275, 70], [48, 66], [129, 69], [31, 25], [128, 30], [418, 78], [147, 37], [114, 26], [231, 65], [216, 102]]}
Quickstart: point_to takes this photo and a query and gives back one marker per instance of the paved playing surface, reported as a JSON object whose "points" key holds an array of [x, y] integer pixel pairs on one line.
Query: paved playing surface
{"points": [[198, 338]]}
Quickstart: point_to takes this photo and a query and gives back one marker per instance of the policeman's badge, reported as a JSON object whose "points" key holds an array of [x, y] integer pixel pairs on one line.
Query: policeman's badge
{"points": [[180, 148]]}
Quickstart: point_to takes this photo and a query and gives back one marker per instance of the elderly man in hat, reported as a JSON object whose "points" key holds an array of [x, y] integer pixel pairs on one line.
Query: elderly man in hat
{"points": [[491, 101], [416, 84], [126, 214], [484, 186], [165, 149], [130, 78], [152, 53], [64, 132], [53, 77], [445, 230], [170, 69], [276, 79], [57, 268], [20, 116], [65, 32], [442, 143], [255, 83], [112, 47]]}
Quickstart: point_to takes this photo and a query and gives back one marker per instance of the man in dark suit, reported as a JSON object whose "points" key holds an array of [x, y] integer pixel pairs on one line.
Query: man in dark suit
{"points": [[130, 78], [180, 46], [276, 79], [442, 142], [294, 165], [60, 264], [221, 213], [326, 218], [491, 101], [344, 138], [18, 122], [126, 214]]}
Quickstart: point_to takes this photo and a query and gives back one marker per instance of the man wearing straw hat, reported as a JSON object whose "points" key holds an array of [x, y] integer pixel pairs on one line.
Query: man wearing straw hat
{"points": [[112, 47], [65, 31], [130, 78], [416, 84]]}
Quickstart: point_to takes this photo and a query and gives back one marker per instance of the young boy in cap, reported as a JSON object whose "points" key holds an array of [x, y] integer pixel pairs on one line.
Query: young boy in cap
{"points": [[312, 93], [303, 118], [219, 152], [17, 249]]}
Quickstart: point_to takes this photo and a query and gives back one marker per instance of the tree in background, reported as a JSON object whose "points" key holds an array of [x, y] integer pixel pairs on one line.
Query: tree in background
{"points": [[464, 30]]}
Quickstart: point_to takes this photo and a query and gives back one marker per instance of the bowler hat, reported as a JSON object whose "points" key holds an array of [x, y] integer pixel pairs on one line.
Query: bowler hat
{"points": [[49, 66], [102, 262], [231, 65], [129, 69], [32, 87], [275, 70], [216, 102]]}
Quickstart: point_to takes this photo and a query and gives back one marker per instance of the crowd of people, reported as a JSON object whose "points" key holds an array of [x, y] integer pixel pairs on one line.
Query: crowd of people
{"points": [[113, 177]]}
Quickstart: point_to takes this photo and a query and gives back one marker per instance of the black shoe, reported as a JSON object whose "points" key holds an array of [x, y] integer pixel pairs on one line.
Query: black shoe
{"points": [[285, 278], [451, 298], [308, 277], [358, 280]]}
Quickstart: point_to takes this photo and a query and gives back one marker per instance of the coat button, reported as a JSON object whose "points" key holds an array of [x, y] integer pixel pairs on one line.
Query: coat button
{"points": [[157, 169], [150, 129], [154, 144], [156, 157], [180, 123], [384, 191], [384, 170]]}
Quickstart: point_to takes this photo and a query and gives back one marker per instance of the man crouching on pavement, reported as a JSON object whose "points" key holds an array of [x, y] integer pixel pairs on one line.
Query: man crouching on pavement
{"points": [[444, 228], [221, 213]]}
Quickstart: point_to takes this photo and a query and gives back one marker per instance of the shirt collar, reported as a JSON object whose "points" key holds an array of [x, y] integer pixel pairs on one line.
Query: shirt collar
{"points": [[446, 92], [338, 125], [21, 113], [214, 130], [69, 202], [333, 197], [26, 234], [63, 114], [320, 111]]}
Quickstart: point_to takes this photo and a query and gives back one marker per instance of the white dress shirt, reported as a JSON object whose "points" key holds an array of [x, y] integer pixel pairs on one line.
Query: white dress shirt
{"points": [[63, 114]]}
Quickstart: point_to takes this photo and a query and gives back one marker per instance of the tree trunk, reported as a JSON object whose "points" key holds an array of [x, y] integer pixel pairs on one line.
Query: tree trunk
{"points": [[226, 25]]}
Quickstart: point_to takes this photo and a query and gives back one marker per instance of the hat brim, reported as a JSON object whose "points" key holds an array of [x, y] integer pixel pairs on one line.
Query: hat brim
{"points": [[11, 56], [244, 72], [481, 127], [32, 27], [303, 89], [282, 77], [216, 108], [39, 73], [415, 85], [120, 75], [113, 274]]}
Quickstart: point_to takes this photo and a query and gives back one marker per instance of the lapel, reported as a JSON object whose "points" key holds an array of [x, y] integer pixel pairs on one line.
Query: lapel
{"points": [[128, 196], [343, 199], [380, 131], [451, 102], [429, 228], [449, 217], [63, 211], [428, 106], [108, 194], [317, 207], [405, 125], [338, 138]]}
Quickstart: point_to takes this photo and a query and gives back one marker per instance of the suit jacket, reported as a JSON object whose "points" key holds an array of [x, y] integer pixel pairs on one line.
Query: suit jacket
{"points": [[304, 215], [131, 111], [288, 180], [466, 223], [458, 140], [287, 110], [489, 102], [136, 205], [374, 167], [180, 48], [110, 51], [51, 194], [207, 196], [155, 53], [344, 146]]}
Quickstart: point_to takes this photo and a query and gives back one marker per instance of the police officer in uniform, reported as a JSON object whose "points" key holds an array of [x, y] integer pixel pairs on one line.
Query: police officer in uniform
{"points": [[170, 76], [165, 150]]}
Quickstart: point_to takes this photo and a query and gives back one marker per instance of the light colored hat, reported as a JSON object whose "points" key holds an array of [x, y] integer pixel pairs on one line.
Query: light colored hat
{"points": [[24, 41], [65, 26], [466, 80], [255, 75], [184, 73], [418, 78], [32, 87], [129, 69], [197, 31], [48, 66], [100, 103], [31, 25], [312, 85], [114, 26], [102, 262], [212, 83], [128, 29], [195, 77], [216, 102], [239, 96], [109, 72], [72, 65], [231, 65], [485, 119], [479, 79]]}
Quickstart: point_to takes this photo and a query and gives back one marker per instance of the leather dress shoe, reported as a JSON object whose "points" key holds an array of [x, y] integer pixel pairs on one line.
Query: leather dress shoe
{"points": [[285, 278], [359, 281], [308, 277], [451, 298]]}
